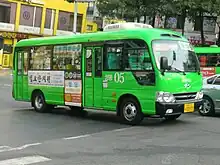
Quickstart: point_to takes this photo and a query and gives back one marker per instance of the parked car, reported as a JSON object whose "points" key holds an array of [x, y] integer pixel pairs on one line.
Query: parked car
{"points": [[211, 98]]}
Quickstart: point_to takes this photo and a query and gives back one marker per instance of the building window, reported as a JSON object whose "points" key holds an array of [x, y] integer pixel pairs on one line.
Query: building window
{"points": [[89, 27], [49, 20], [209, 24], [40, 58], [7, 12], [67, 57], [66, 20], [7, 49], [90, 9], [30, 13]]}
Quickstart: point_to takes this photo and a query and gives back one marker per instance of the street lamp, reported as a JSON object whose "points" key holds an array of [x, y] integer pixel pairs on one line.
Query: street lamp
{"points": [[76, 10]]}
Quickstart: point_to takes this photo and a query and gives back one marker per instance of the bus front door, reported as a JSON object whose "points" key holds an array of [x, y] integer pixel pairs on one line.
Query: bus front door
{"points": [[22, 78], [93, 77]]}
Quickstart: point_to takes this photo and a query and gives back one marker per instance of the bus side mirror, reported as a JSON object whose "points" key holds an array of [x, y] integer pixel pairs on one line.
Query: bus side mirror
{"points": [[164, 63]]}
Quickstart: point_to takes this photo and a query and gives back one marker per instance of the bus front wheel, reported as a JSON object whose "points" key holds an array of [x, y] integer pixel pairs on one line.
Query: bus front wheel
{"points": [[39, 102], [130, 111]]}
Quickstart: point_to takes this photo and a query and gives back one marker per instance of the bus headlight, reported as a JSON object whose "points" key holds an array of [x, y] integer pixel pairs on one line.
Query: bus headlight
{"points": [[199, 95], [165, 97]]}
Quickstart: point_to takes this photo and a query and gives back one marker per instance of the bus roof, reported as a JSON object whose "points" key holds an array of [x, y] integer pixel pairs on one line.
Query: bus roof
{"points": [[207, 49], [141, 33]]}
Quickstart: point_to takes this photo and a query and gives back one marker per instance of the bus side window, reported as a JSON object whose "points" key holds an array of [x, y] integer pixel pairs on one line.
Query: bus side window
{"points": [[67, 57], [138, 60], [98, 62], [89, 61], [136, 56], [113, 56], [40, 58], [19, 63]]}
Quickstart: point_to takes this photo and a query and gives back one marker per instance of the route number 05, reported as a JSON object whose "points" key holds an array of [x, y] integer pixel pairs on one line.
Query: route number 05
{"points": [[119, 77]]}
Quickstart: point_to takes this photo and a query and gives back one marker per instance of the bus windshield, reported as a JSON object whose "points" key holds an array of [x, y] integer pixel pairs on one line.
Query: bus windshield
{"points": [[180, 55]]}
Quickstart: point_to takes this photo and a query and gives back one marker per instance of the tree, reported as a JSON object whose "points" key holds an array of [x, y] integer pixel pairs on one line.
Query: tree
{"points": [[110, 8], [199, 9], [216, 8], [182, 8]]}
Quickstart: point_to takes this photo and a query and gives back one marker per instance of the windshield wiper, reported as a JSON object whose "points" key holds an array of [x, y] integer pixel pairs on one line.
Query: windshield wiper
{"points": [[179, 71]]}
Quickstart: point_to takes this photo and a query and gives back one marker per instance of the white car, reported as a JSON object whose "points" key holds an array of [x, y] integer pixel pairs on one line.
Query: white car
{"points": [[211, 98]]}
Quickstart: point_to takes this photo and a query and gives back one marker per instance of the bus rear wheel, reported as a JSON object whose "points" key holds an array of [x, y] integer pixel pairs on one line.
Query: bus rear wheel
{"points": [[39, 102], [130, 111]]}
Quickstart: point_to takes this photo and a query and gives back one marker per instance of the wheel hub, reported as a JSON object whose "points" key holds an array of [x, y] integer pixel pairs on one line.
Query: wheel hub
{"points": [[130, 111], [206, 107], [39, 102]]}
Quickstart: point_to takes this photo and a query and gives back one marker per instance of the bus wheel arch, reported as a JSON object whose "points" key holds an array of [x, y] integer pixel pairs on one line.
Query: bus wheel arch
{"points": [[38, 97], [129, 100]]}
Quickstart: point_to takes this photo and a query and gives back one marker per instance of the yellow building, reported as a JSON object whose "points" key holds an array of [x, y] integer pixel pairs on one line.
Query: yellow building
{"points": [[21, 19]]}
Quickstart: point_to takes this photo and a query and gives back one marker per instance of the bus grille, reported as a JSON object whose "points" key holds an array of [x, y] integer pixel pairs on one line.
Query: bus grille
{"points": [[185, 96]]}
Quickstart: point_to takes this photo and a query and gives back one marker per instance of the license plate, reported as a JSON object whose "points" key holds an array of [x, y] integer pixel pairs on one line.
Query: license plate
{"points": [[189, 107]]}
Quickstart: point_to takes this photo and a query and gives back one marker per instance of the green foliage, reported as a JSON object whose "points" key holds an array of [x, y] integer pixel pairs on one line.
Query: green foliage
{"points": [[137, 8]]}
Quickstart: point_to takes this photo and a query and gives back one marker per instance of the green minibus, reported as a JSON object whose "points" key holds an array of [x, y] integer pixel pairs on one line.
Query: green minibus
{"points": [[135, 71]]}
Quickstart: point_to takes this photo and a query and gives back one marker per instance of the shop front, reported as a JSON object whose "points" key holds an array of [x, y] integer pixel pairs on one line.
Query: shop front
{"points": [[9, 39]]}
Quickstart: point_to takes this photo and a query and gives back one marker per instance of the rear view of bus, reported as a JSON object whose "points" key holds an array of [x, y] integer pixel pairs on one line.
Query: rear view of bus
{"points": [[209, 58], [131, 69]]}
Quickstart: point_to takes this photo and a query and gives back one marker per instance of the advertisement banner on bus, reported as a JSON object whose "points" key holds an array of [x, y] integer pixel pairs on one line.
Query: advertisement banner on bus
{"points": [[73, 88], [208, 71]]}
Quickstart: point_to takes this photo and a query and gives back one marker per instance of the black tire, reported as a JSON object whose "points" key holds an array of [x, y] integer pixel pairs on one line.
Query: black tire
{"points": [[171, 118], [39, 105], [208, 107], [125, 109], [77, 111]]}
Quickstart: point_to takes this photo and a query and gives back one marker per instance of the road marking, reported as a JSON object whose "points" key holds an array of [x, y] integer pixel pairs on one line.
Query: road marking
{"points": [[122, 129], [24, 160], [76, 137], [7, 148], [4, 147], [7, 85], [25, 146], [87, 135]]}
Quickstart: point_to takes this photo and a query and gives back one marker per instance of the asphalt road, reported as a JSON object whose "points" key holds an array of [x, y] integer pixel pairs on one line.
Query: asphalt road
{"points": [[59, 139]]}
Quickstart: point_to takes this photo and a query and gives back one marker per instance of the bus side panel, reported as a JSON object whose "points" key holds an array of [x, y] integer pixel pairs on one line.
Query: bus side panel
{"points": [[120, 83], [25, 88], [53, 95]]}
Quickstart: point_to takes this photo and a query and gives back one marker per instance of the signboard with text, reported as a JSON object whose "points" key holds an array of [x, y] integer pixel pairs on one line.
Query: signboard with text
{"points": [[208, 71], [73, 88], [48, 78]]}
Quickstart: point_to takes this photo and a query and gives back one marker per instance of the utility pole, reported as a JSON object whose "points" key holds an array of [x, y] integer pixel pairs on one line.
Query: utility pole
{"points": [[75, 2], [75, 16]]}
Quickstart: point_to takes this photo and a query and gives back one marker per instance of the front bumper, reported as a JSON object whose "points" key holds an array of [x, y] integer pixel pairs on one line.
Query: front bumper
{"points": [[168, 109]]}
